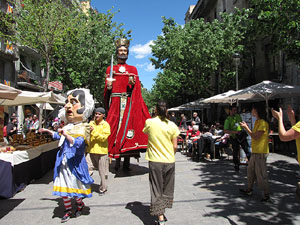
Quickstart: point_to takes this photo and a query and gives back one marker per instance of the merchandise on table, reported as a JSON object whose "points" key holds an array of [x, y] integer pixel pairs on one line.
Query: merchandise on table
{"points": [[19, 143]]}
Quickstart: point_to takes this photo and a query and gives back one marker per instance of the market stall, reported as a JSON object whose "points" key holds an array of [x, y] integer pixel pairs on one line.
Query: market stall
{"points": [[26, 159], [21, 164]]}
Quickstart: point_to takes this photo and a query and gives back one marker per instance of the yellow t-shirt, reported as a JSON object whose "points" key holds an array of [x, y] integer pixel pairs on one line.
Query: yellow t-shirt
{"points": [[261, 145], [99, 138], [160, 135], [296, 127]]}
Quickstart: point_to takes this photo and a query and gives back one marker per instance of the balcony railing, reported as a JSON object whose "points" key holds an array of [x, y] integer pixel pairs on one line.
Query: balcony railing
{"points": [[29, 77]]}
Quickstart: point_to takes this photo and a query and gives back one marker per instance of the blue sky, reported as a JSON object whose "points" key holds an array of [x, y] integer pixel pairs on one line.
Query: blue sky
{"points": [[144, 19]]}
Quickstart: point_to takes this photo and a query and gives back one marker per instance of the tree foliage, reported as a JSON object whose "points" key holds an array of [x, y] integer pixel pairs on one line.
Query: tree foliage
{"points": [[76, 47], [277, 22], [82, 61], [41, 25], [189, 55]]}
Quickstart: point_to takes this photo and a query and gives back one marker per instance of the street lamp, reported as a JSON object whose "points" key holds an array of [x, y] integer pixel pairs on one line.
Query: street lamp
{"points": [[236, 60]]}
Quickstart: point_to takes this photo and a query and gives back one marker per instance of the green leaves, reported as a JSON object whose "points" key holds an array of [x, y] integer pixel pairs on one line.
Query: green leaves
{"points": [[190, 56], [278, 21], [76, 47]]}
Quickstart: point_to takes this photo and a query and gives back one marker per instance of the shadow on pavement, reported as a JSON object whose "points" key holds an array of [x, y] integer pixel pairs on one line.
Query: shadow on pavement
{"points": [[220, 177], [134, 170], [59, 211], [141, 211], [7, 205], [45, 179]]}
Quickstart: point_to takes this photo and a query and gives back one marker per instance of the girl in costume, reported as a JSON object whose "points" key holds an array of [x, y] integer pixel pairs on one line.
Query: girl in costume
{"points": [[71, 175]]}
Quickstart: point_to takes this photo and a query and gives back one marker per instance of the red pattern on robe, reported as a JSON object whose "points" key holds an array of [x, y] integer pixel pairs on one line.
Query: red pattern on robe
{"points": [[134, 117]]}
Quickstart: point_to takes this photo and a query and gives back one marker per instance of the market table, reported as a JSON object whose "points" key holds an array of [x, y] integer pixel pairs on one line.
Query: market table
{"points": [[19, 168]]}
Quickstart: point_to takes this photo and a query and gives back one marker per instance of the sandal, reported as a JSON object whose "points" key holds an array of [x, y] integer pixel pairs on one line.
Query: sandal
{"points": [[102, 192]]}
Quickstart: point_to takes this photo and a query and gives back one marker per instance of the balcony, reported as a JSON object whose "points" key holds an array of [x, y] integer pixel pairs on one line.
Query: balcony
{"points": [[29, 80]]}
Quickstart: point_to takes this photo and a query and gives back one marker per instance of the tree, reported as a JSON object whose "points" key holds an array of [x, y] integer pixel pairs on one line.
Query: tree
{"points": [[76, 47], [41, 25], [277, 21], [82, 60], [189, 56]]}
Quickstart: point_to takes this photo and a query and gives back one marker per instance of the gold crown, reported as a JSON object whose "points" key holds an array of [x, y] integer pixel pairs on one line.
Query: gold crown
{"points": [[122, 42]]}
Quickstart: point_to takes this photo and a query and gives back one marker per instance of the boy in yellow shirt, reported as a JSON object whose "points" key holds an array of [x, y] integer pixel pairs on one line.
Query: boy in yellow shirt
{"points": [[98, 148]]}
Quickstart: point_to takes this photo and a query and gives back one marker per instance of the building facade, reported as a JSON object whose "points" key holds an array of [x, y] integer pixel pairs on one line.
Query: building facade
{"points": [[263, 64]]}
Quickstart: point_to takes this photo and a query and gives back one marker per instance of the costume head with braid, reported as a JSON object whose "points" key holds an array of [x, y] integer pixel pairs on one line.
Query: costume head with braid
{"points": [[79, 106]]}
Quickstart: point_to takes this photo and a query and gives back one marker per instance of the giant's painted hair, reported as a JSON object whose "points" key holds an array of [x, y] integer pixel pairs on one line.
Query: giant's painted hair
{"points": [[86, 100]]}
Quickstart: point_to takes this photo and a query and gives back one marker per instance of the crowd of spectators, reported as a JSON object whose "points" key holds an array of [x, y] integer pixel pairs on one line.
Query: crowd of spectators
{"points": [[30, 124]]}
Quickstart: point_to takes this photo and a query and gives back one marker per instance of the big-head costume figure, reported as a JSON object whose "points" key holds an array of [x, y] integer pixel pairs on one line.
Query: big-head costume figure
{"points": [[71, 175], [126, 109]]}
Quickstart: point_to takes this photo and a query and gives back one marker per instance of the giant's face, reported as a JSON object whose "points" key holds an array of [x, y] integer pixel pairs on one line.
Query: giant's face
{"points": [[122, 53], [73, 107]]}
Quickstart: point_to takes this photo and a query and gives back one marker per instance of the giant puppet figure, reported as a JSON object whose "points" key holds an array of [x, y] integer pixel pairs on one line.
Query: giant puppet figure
{"points": [[126, 108], [71, 175]]}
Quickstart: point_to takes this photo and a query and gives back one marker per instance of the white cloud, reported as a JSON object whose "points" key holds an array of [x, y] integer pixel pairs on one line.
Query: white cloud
{"points": [[141, 51], [150, 67], [146, 66]]}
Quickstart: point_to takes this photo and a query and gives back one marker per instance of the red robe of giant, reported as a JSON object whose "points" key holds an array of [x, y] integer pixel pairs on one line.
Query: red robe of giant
{"points": [[126, 113]]}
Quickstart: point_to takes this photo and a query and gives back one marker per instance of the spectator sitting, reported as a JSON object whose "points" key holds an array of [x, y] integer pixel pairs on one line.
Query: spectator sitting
{"points": [[222, 141], [205, 141], [212, 129], [182, 124], [192, 136], [219, 131]]}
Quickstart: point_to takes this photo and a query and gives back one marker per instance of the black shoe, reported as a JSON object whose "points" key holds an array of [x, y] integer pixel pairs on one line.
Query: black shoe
{"points": [[66, 217], [78, 211], [266, 198], [246, 192], [236, 167], [165, 218]]}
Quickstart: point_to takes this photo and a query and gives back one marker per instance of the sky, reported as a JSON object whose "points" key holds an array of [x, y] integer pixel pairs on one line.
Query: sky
{"points": [[144, 19]]}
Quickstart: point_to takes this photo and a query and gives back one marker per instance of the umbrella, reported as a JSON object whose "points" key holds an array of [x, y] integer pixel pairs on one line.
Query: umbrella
{"points": [[221, 98], [266, 90], [29, 97], [7, 92]]}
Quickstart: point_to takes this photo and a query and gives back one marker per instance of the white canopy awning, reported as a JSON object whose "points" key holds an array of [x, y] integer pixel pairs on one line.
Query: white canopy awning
{"points": [[46, 106], [7, 92], [29, 98]]}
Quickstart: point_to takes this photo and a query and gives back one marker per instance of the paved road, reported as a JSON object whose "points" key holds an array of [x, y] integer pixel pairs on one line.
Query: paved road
{"points": [[205, 193]]}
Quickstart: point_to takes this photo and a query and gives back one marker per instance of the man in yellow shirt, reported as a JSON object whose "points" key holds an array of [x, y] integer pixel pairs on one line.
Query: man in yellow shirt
{"points": [[98, 148]]}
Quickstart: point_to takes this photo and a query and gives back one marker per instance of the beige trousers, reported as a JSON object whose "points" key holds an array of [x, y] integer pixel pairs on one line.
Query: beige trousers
{"points": [[100, 162], [257, 170]]}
